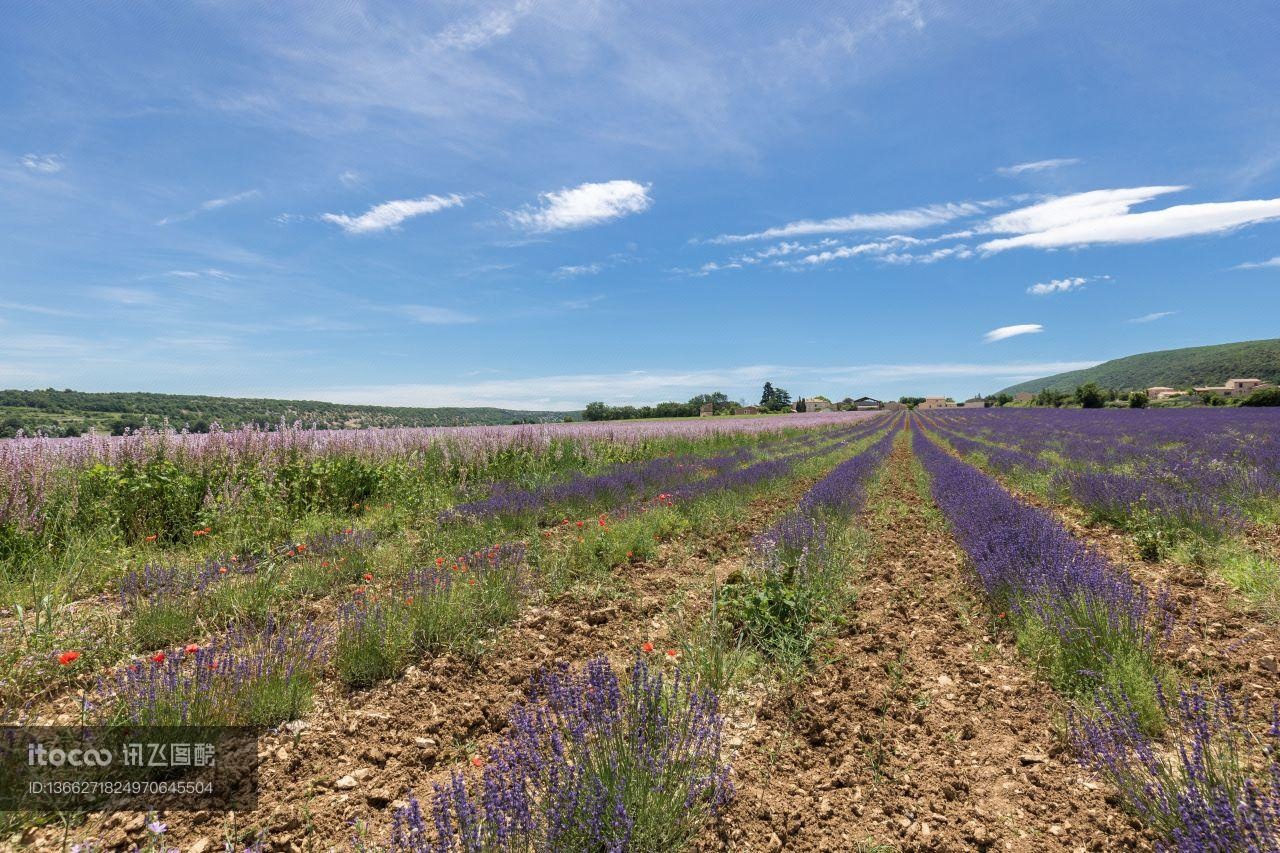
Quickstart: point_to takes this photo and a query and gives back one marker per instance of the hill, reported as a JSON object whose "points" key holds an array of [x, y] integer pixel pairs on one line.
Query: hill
{"points": [[72, 412], [1176, 368]]}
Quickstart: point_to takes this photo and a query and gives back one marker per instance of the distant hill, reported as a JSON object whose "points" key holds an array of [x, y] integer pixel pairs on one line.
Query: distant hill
{"points": [[1176, 368], [55, 412]]}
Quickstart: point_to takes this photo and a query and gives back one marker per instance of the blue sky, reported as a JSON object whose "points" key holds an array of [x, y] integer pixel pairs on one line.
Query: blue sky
{"points": [[541, 204]]}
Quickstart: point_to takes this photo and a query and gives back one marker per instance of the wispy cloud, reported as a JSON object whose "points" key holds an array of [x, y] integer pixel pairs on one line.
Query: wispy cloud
{"points": [[1038, 166], [123, 295], [910, 219], [1063, 285], [1104, 216], [583, 205], [1150, 318], [205, 273], [434, 316], [574, 270], [478, 32], [1004, 332], [45, 164], [211, 204], [1258, 265], [390, 214]]}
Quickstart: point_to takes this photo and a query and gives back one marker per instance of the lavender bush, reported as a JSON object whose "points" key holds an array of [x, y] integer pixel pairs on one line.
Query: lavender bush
{"points": [[243, 677], [1216, 789], [587, 763]]}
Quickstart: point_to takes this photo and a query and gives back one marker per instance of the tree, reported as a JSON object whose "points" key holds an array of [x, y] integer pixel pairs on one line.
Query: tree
{"points": [[774, 399], [1002, 399], [1050, 397], [718, 400], [911, 402], [800, 406], [596, 411], [1090, 396], [1139, 400], [1263, 397]]}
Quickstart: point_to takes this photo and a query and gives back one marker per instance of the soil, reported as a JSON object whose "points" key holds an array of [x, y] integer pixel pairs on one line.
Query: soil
{"points": [[923, 730]]}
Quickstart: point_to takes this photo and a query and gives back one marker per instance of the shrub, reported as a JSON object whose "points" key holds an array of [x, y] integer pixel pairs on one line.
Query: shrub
{"points": [[1263, 397], [587, 763]]}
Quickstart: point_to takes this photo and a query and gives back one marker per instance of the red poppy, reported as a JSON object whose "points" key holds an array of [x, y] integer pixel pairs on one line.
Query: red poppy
{"points": [[628, 555], [409, 601], [222, 570], [197, 533], [67, 658], [580, 523], [646, 647], [234, 558], [158, 657], [324, 564], [672, 653], [367, 576], [300, 547], [151, 538], [288, 553], [208, 530], [347, 532], [471, 581], [191, 649], [477, 761], [439, 561]]}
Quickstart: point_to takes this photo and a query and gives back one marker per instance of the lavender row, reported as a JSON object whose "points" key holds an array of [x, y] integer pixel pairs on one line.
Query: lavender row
{"points": [[1218, 787]]}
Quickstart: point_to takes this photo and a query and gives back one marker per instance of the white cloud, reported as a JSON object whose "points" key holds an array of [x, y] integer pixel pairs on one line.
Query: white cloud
{"points": [[1004, 332], [1063, 285], [584, 205], [45, 164], [434, 316], [211, 204], [1149, 318], [572, 270], [390, 214], [1103, 216], [206, 273], [1071, 209], [124, 295], [899, 220], [478, 32], [1038, 166], [1257, 265], [351, 179]]}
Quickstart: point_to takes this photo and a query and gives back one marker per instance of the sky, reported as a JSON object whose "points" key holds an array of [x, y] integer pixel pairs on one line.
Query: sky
{"points": [[540, 204]]}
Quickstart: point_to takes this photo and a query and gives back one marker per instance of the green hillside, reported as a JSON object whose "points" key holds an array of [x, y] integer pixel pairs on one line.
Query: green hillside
{"points": [[72, 412], [1175, 368]]}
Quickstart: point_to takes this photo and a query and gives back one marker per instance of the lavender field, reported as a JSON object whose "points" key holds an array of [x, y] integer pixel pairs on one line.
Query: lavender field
{"points": [[616, 637]]}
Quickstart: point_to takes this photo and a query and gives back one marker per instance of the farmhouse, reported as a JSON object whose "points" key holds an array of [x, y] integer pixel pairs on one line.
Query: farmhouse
{"points": [[747, 410], [974, 403], [895, 406], [814, 404], [1160, 392], [707, 410], [1024, 397], [867, 404], [1233, 388], [936, 403]]}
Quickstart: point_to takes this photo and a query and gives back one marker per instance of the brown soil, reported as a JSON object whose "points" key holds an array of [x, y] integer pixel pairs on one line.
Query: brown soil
{"points": [[923, 731]]}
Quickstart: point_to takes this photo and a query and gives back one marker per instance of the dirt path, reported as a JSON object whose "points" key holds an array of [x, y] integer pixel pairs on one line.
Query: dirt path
{"points": [[924, 731]]}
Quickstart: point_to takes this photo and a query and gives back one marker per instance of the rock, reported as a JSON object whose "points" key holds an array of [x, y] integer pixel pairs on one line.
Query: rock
{"points": [[1055, 829], [379, 797], [346, 783], [135, 823], [200, 845], [293, 727], [1029, 758], [1267, 663], [374, 755], [361, 773], [945, 681]]}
